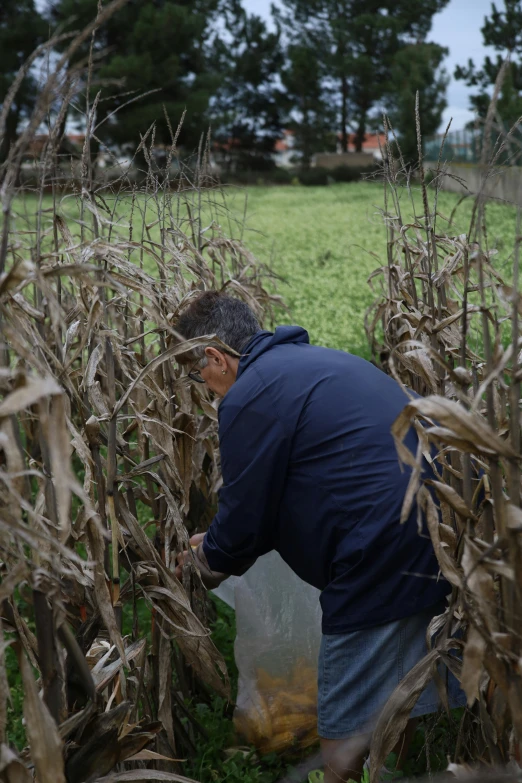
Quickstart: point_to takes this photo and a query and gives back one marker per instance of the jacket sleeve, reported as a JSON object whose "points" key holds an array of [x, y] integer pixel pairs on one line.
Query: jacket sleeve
{"points": [[254, 459]]}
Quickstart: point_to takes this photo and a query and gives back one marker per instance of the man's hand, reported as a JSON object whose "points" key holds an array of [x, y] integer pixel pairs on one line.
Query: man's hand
{"points": [[182, 558], [211, 579]]}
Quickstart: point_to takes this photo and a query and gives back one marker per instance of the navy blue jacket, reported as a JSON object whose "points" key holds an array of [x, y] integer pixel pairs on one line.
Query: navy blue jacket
{"points": [[310, 469]]}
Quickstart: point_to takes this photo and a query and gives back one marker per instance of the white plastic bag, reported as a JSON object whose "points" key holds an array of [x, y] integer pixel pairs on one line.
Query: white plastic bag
{"points": [[278, 619]]}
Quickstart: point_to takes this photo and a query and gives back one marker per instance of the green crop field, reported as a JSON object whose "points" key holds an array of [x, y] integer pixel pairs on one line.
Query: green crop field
{"points": [[324, 242]]}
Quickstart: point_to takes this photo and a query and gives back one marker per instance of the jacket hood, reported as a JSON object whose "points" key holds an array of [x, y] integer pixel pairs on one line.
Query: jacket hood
{"points": [[263, 341]]}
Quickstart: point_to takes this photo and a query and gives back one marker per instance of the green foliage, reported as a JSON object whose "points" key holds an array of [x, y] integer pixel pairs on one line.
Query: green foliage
{"points": [[274, 176], [357, 42], [309, 93], [249, 106], [502, 31], [352, 173], [319, 240], [433, 743], [224, 635], [417, 68], [212, 764], [216, 760], [324, 242], [503, 28], [162, 47], [315, 176], [22, 29], [281, 176], [15, 727], [338, 61]]}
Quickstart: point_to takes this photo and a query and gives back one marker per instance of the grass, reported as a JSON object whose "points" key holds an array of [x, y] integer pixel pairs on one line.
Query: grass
{"points": [[324, 242], [212, 763]]}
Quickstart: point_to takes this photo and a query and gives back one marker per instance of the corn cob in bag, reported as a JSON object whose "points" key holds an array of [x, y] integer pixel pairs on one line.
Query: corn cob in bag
{"points": [[278, 620]]}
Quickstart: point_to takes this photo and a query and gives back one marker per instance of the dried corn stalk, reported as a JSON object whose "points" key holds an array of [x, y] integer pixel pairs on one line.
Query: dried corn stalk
{"points": [[447, 326], [108, 457]]}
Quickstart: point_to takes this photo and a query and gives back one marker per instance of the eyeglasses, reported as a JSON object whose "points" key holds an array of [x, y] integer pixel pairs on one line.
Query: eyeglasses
{"points": [[195, 375]]}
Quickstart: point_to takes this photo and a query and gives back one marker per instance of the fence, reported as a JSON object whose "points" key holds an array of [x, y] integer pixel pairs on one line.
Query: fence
{"points": [[460, 146], [465, 146]]}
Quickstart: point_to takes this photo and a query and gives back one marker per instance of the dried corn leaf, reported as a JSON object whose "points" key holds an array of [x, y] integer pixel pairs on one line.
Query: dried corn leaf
{"points": [[103, 597], [44, 740], [452, 498], [12, 769], [465, 424], [136, 775], [30, 392], [395, 714]]}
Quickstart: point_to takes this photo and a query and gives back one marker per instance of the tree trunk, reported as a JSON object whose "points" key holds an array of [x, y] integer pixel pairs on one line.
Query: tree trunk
{"points": [[344, 113], [11, 133], [306, 136], [361, 133]]}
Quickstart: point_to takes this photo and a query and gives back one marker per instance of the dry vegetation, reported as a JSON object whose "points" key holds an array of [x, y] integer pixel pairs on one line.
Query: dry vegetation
{"points": [[108, 457], [447, 326]]}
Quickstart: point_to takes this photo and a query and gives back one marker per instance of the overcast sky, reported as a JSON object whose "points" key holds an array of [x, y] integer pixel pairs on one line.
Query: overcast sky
{"points": [[457, 28]]}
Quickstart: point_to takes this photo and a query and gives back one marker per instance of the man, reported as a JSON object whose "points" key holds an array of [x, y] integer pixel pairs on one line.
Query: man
{"points": [[310, 469]]}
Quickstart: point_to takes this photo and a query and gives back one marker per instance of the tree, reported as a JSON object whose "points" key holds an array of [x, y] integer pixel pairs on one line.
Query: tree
{"points": [[503, 31], [313, 116], [358, 41], [160, 50], [249, 107], [509, 106], [393, 61], [417, 68], [22, 29]]}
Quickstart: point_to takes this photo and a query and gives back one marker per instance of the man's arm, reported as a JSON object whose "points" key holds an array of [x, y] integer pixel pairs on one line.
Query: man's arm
{"points": [[255, 451]]}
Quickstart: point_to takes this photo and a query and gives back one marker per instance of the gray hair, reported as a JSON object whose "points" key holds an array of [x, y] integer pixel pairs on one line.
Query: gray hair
{"points": [[230, 319]]}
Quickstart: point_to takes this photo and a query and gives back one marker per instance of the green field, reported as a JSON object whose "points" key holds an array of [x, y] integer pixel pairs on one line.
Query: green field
{"points": [[325, 241], [322, 242]]}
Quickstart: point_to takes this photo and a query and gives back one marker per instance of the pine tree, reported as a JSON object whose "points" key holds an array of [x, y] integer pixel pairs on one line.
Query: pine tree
{"points": [[312, 115], [249, 107], [22, 29], [358, 41], [503, 31], [417, 68], [160, 50]]}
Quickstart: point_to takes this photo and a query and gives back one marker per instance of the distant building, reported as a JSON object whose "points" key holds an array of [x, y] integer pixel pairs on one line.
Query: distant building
{"points": [[284, 150], [38, 142], [286, 155], [373, 142]]}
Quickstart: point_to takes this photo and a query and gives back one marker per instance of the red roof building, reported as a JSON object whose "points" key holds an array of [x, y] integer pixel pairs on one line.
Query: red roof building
{"points": [[372, 142]]}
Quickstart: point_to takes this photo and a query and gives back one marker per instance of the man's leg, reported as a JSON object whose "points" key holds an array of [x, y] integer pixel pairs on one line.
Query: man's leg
{"points": [[402, 747], [344, 759]]}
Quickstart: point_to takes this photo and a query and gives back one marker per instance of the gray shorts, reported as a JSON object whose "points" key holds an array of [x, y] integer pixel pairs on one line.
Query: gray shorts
{"points": [[359, 670]]}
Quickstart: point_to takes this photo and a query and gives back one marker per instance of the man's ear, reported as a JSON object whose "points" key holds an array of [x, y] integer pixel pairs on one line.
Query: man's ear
{"points": [[215, 356]]}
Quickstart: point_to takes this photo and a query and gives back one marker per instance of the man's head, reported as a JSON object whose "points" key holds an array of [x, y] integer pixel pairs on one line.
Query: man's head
{"points": [[232, 321]]}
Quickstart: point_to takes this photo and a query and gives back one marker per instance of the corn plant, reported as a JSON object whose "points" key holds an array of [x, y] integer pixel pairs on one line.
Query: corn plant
{"points": [[108, 455], [447, 327]]}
